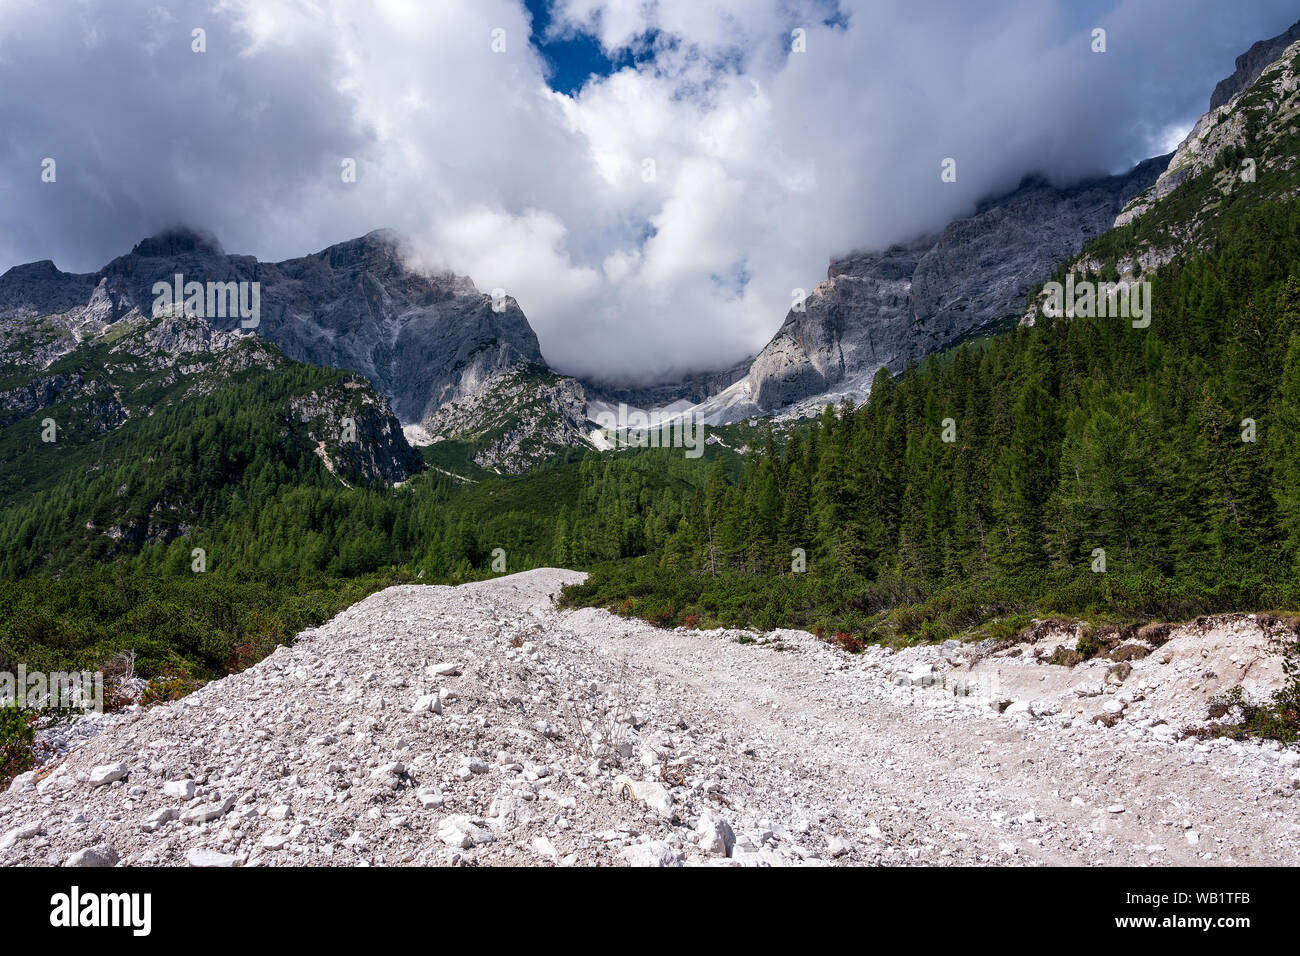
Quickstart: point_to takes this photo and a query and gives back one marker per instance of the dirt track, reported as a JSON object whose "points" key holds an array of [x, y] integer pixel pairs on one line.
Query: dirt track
{"points": [[580, 737]]}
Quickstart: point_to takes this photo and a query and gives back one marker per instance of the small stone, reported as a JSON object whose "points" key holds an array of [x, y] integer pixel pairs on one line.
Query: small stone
{"points": [[653, 794], [184, 789], [23, 781], [921, 675], [107, 773], [158, 818], [22, 832], [209, 858], [101, 855], [654, 853], [715, 836], [427, 704], [460, 832], [431, 798], [838, 846], [208, 811]]}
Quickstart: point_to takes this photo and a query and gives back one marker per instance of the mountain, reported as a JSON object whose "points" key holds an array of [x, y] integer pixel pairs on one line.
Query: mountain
{"points": [[421, 339], [118, 434], [426, 341], [1241, 153], [1251, 64], [518, 419], [458, 367], [885, 308]]}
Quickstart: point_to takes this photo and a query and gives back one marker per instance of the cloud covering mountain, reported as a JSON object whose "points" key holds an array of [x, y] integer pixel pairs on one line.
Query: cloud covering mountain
{"points": [[765, 160]]}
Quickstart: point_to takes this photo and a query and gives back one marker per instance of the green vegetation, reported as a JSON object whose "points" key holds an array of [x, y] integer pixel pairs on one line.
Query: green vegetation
{"points": [[201, 625], [1071, 436], [16, 738]]}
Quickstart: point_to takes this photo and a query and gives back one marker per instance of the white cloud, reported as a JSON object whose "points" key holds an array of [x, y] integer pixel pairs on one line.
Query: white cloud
{"points": [[765, 162]]}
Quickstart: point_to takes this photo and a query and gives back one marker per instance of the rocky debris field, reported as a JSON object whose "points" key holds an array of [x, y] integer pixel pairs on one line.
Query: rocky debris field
{"points": [[481, 725]]}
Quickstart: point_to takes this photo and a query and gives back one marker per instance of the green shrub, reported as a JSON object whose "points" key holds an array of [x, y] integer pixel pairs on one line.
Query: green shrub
{"points": [[16, 739]]}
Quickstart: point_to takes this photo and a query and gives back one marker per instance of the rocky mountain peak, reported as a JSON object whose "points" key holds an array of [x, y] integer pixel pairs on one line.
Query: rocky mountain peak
{"points": [[39, 288], [883, 308], [1241, 149], [1251, 64], [379, 252], [177, 241], [422, 339]]}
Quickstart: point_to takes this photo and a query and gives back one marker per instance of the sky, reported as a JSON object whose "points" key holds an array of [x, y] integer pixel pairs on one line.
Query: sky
{"points": [[650, 179]]}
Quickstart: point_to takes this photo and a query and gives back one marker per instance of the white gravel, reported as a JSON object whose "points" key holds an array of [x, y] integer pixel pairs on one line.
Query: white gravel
{"points": [[435, 725]]}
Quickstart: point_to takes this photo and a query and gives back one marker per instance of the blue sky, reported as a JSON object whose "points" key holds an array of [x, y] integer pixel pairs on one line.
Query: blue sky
{"points": [[573, 58]]}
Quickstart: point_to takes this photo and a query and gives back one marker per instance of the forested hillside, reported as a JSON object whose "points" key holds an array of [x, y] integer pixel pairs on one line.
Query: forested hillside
{"points": [[1172, 448], [284, 542], [1070, 436]]}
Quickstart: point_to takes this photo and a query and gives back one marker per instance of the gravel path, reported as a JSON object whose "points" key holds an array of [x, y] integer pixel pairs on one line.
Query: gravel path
{"points": [[434, 725]]}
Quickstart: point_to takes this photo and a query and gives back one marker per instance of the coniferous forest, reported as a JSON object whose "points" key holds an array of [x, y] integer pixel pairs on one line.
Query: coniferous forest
{"points": [[1170, 452]]}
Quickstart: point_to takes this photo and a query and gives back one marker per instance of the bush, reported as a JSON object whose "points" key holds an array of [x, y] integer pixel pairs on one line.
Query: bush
{"points": [[172, 684], [16, 739], [1087, 647]]}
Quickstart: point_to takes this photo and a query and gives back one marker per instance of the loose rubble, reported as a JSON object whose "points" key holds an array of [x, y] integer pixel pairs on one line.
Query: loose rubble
{"points": [[481, 725]]}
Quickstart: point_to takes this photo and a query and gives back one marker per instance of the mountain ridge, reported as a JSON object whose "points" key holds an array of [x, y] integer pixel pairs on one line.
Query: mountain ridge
{"points": [[885, 308], [423, 339]]}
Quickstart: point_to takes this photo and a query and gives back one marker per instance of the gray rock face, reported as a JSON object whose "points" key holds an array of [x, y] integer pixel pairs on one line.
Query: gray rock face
{"points": [[858, 319], [1251, 64], [882, 309], [423, 340], [375, 447], [519, 419], [38, 288]]}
